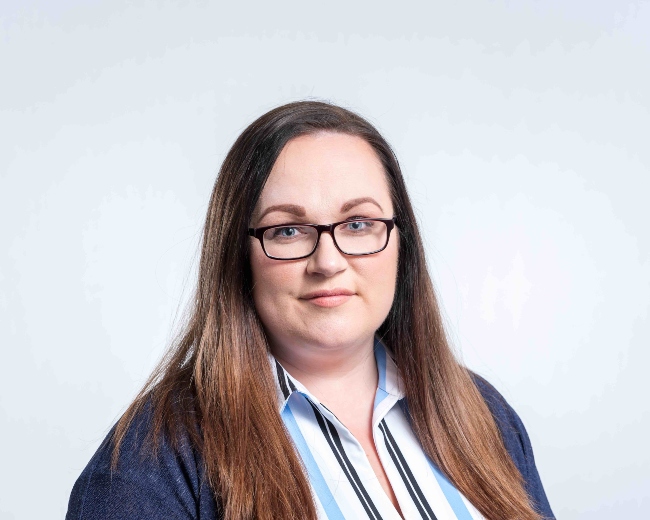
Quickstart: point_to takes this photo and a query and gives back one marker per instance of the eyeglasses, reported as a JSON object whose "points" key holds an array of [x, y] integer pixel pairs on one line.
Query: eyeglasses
{"points": [[358, 237]]}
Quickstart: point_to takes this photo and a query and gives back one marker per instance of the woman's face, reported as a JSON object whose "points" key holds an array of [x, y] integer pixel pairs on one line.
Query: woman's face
{"points": [[320, 179]]}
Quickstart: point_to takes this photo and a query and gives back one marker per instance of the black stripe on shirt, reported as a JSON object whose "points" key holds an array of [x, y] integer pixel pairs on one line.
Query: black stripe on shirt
{"points": [[407, 482], [405, 472], [282, 380], [334, 441]]}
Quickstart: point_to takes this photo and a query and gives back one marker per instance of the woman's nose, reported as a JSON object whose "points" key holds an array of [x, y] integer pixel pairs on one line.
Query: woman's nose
{"points": [[327, 259]]}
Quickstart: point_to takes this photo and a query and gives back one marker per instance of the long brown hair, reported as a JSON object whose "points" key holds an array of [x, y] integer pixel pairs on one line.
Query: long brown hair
{"points": [[216, 385]]}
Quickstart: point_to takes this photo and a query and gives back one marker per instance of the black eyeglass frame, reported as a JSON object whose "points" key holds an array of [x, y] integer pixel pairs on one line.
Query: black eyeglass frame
{"points": [[324, 228]]}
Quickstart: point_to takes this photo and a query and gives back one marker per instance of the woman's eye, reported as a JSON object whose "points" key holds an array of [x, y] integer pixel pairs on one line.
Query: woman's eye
{"points": [[361, 225], [285, 232]]}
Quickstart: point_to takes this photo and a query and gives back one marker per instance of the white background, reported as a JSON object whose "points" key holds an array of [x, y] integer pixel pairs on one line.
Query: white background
{"points": [[523, 129]]}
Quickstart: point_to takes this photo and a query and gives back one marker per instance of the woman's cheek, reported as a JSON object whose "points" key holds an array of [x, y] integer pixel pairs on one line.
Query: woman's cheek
{"points": [[272, 291]]}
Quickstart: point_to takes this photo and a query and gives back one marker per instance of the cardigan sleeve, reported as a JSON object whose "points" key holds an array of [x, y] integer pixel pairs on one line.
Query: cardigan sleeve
{"points": [[143, 486], [517, 444]]}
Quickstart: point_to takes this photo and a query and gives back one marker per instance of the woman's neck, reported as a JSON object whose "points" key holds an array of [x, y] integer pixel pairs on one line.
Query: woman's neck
{"points": [[333, 375]]}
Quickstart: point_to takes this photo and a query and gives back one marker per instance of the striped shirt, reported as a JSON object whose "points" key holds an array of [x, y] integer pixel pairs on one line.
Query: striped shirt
{"points": [[343, 483]]}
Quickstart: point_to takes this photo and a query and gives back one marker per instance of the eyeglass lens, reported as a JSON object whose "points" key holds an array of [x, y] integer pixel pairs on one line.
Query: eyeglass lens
{"points": [[354, 238]]}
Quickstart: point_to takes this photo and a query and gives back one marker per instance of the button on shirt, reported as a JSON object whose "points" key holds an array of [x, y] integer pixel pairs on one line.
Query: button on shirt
{"points": [[343, 482]]}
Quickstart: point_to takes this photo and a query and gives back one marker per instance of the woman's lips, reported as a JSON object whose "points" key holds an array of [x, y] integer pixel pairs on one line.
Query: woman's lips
{"points": [[328, 298]]}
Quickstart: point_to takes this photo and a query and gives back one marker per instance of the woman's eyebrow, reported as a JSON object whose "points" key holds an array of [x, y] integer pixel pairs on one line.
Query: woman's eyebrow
{"points": [[356, 202], [294, 209], [299, 211]]}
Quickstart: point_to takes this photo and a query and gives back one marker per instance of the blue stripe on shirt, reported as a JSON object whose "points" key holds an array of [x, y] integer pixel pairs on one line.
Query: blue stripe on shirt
{"points": [[451, 494], [316, 479], [380, 357]]}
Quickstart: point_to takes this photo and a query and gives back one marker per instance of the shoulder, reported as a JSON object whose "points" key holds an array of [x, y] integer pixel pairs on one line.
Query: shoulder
{"points": [[516, 441], [506, 418], [168, 483]]}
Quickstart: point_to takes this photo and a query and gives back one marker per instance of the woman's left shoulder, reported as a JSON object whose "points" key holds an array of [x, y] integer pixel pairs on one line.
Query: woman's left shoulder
{"points": [[516, 441], [507, 419]]}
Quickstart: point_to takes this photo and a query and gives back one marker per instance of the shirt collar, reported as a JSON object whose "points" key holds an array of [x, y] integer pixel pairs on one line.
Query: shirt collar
{"points": [[389, 381]]}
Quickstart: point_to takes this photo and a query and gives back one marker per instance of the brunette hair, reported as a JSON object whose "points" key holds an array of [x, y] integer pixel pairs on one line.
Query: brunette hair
{"points": [[216, 383]]}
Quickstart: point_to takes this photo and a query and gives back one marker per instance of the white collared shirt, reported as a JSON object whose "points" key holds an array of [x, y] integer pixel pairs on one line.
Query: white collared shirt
{"points": [[343, 482]]}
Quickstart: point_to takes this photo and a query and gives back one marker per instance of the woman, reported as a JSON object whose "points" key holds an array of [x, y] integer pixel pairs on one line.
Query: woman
{"points": [[314, 379]]}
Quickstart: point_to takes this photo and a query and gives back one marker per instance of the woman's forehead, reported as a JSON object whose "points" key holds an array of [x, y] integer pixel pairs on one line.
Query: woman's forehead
{"points": [[325, 171]]}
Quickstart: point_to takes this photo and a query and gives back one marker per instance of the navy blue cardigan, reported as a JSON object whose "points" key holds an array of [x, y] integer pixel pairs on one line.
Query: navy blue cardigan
{"points": [[173, 486]]}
